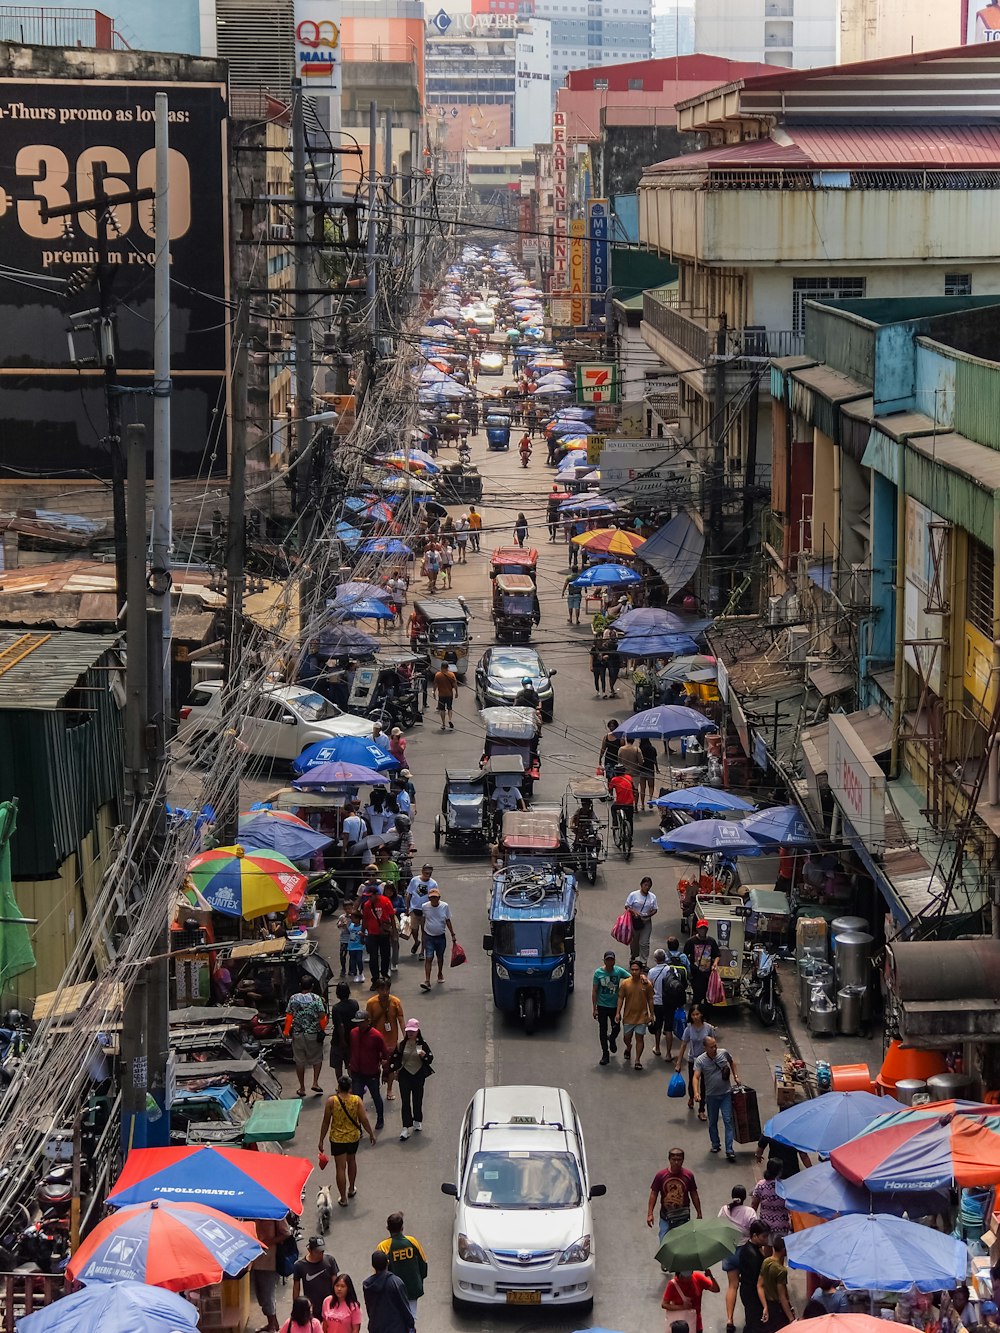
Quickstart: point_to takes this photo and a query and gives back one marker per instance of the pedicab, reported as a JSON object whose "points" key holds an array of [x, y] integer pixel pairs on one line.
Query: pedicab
{"points": [[515, 608], [514, 560], [586, 813], [469, 819], [446, 640], [497, 430], [511, 730]]}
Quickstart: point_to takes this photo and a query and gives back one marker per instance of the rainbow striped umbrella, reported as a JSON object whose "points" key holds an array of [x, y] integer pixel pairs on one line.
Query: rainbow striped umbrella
{"points": [[240, 883]]}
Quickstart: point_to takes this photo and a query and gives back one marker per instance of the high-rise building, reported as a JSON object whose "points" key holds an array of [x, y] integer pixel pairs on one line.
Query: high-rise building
{"points": [[673, 30], [591, 32], [797, 33]]}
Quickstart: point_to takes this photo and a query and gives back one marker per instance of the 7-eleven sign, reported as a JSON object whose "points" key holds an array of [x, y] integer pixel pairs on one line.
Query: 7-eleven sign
{"points": [[597, 382]]}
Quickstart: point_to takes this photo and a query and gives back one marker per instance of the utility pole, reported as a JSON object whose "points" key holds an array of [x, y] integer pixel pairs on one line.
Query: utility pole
{"points": [[300, 306], [136, 678], [717, 479], [159, 567], [372, 234]]}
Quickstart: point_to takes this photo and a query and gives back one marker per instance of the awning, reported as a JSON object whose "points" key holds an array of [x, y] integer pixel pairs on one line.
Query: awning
{"points": [[873, 729], [674, 551], [828, 680]]}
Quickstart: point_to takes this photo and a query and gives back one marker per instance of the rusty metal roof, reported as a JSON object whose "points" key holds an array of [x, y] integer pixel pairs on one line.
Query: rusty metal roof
{"points": [[38, 669]]}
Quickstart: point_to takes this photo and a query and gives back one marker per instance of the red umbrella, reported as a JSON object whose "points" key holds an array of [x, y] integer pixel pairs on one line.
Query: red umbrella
{"points": [[924, 1154], [236, 1181], [179, 1246]]}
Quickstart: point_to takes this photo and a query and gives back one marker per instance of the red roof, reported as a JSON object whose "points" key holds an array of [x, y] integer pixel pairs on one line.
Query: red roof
{"points": [[850, 147], [666, 70], [910, 62]]}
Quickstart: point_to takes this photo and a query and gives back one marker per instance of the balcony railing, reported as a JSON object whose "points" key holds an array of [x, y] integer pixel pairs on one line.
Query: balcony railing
{"points": [[773, 532], [659, 310], [663, 312]]}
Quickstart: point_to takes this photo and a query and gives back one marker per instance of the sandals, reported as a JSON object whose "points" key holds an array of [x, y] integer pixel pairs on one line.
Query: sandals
{"points": [[351, 1193], [300, 1092], [638, 1064], [342, 1202], [425, 985], [702, 1115], [316, 1088]]}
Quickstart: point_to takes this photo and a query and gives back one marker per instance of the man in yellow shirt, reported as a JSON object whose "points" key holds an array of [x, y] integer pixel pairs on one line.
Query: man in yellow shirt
{"points": [[635, 1011], [475, 526]]}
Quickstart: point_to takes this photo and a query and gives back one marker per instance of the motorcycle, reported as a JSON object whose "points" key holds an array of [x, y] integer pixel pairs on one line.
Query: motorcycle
{"points": [[762, 986], [525, 457], [464, 454], [267, 1038], [326, 891], [15, 1038]]}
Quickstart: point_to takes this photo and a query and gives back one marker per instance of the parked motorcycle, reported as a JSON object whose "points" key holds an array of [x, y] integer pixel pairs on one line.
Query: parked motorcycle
{"points": [[325, 889], [762, 985]]}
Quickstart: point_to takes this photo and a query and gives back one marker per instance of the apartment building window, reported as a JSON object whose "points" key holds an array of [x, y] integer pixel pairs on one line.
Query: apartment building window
{"points": [[958, 284], [980, 585], [821, 288], [635, 85], [600, 85]]}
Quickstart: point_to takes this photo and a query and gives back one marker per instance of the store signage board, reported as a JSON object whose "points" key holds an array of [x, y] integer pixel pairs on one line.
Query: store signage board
{"points": [[856, 783], [597, 382]]}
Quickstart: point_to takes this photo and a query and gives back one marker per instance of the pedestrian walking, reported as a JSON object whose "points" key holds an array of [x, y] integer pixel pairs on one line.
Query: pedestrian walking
{"points": [[772, 1288], [462, 538], [406, 1259], [305, 1023], [447, 561], [367, 1058], [703, 951], [612, 660], [604, 996], [313, 1275], [414, 1064], [416, 629], [739, 1214], [648, 770], [475, 526], [630, 760], [641, 906], [607, 756], [693, 1038], [683, 1296], [301, 1319], [715, 1068], [379, 918], [552, 511], [397, 745], [417, 893], [355, 946], [385, 1299], [445, 684], [599, 669], [437, 923], [520, 529], [669, 985], [674, 1191], [635, 1011], [749, 1263], [342, 1311], [340, 1026], [770, 1206], [264, 1269], [385, 1013], [574, 600]]}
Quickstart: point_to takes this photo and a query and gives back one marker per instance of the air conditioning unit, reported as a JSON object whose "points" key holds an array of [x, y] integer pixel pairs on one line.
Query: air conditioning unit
{"points": [[281, 231], [275, 341], [797, 637]]}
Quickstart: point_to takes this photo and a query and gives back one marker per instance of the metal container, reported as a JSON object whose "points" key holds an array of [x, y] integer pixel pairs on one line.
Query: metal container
{"points": [[807, 970], [823, 1021], [850, 1000], [911, 1091], [943, 1087], [853, 952], [848, 925]]}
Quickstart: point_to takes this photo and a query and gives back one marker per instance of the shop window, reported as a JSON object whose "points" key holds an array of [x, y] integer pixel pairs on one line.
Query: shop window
{"points": [[958, 284]]}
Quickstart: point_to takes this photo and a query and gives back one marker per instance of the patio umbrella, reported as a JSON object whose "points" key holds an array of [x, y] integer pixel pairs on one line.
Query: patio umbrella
{"points": [[361, 608], [602, 576], [117, 1307], [235, 1181], [338, 774], [385, 546], [356, 590], [590, 504], [653, 619], [931, 1111], [611, 541], [824, 1123], [345, 641], [821, 1191], [839, 1323], [654, 645], [697, 1244], [702, 798], [924, 1154], [705, 836], [664, 722], [413, 485], [241, 883], [782, 825], [298, 844], [179, 1246], [347, 534], [369, 507], [346, 750], [880, 1252], [683, 668]]}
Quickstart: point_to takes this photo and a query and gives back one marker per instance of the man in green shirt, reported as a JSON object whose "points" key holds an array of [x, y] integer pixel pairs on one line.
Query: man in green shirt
{"points": [[604, 995], [406, 1259]]}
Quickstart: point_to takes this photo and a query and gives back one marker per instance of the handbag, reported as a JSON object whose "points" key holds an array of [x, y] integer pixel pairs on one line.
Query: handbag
{"points": [[622, 929], [676, 1087], [457, 955], [405, 929], [286, 1256], [716, 992], [680, 1022]]}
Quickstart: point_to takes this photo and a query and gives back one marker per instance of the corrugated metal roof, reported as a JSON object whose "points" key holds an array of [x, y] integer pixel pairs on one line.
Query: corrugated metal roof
{"points": [[831, 384], [38, 670], [853, 147]]}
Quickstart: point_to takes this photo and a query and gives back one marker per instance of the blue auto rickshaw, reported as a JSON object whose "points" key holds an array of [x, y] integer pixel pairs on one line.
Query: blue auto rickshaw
{"points": [[498, 430], [532, 939]]}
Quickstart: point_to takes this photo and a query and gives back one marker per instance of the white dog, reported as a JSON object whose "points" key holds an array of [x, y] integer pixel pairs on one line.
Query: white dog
{"points": [[324, 1209]]}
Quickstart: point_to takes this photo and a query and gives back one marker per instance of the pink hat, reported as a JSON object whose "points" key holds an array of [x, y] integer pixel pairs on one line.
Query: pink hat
{"points": [[412, 1025]]}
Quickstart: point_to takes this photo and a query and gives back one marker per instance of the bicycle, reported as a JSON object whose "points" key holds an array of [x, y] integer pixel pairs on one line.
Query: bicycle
{"points": [[621, 829]]}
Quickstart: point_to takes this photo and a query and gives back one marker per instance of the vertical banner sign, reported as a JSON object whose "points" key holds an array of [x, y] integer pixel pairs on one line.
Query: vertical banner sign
{"points": [[317, 45], [577, 232], [560, 268], [598, 227]]}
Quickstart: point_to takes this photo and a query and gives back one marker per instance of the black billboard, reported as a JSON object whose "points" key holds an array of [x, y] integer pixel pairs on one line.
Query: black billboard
{"points": [[60, 139]]}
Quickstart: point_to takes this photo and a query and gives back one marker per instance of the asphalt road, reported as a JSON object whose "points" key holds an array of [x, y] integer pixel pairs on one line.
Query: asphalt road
{"points": [[628, 1121]]}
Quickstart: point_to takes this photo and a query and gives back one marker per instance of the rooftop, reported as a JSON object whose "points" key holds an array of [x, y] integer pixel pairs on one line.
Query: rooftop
{"points": [[38, 670]]}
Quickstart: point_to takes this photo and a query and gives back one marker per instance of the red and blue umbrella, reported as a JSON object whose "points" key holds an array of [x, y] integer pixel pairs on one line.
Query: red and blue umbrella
{"points": [[179, 1246], [235, 1181], [924, 1154], [346, 750], [339, 774]]}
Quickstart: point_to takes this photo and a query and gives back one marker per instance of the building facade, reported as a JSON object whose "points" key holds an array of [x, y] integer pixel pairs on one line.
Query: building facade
{"points": [[801, 34], [586, 33], [673, 30]]}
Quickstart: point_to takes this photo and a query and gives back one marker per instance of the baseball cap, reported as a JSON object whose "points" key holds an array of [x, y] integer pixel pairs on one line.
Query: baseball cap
{"points": [[317, 1243], [412, 1025], [698, 925], [434, 893], [609, 953]]}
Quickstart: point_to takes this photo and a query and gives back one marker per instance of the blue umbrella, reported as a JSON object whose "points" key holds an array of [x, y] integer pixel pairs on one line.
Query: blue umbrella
{"points": [[590, 504], [664, 722], [702, 798], [599, 576], [338, 774], [710, 835], [298, 844], [781, 824], [384, 546], [347, 534], [117, 1307], [357, 590], [826, 1122], [880, 1253], [346, 750], [345, 641], [823, 1192], [651, 618], [655, 645], [361, 608]]}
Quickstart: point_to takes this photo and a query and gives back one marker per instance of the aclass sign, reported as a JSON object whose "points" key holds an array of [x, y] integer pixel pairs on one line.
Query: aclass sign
{"points": [[317, 43]]}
